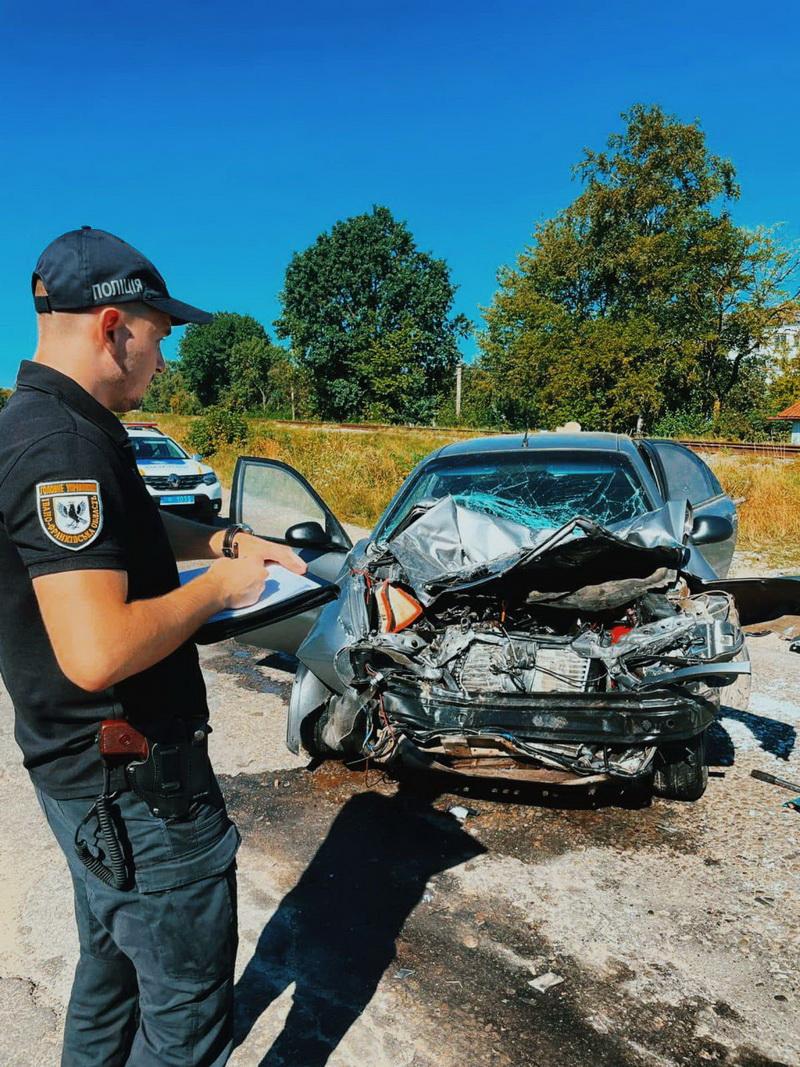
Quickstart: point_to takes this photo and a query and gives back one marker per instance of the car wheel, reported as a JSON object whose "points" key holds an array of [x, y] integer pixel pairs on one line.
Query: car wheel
{"points": [[311, 734], [682, 771]]}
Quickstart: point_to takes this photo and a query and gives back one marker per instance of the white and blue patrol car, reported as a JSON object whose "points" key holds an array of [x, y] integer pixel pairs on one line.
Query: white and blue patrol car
{"points": [[173, 478]]}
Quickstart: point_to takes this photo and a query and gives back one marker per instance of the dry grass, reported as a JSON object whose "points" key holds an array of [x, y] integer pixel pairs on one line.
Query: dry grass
{"points": [[357, 472], [769, 516]]}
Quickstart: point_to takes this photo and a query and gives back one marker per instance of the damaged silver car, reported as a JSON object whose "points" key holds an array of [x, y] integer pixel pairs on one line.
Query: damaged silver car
{"points": [[548, 607]]}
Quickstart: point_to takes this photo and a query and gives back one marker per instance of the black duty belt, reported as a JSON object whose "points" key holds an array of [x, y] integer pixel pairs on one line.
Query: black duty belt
{"points": [[169, 775]]}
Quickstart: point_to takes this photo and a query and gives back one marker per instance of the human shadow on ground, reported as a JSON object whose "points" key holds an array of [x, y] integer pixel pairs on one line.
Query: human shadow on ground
{"points": [[334, 933], [773, 736]]}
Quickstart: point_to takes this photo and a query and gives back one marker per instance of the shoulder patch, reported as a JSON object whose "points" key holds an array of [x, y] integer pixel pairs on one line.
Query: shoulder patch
{"points": [[70, 513]]}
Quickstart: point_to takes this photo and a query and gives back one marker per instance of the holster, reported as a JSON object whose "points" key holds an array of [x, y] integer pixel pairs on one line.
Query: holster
{"points": [[175, 775]]}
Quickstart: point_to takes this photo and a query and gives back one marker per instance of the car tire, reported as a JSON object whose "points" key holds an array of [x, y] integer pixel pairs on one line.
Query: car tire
{"points": [[682, 770], [312, 742]]}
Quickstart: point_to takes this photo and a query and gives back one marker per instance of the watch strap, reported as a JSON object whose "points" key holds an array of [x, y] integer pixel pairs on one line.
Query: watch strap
{"points": [[229, 547]]}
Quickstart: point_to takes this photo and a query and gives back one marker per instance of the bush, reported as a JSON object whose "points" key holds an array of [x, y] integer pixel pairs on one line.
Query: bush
{"points": [[682, 424], [216, 429], [730, 425]]}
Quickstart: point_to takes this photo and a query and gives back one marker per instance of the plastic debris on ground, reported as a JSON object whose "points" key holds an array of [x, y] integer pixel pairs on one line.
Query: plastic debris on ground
{"points": [[459, 813], [545, 981]]}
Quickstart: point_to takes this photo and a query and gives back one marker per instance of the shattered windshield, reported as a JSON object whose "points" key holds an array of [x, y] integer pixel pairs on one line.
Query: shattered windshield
{"points": [[535, 489]]}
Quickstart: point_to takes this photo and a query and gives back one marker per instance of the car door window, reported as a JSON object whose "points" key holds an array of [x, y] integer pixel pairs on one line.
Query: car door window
{"points": [[271, 496], [686, 474], [272, 500]]}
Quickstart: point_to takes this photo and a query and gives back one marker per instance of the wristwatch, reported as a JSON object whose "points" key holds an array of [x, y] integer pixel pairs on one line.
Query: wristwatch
{"points": [[229, 546]]}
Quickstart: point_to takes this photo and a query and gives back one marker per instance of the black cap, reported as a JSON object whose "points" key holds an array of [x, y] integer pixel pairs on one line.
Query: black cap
{"points": [[88, 268]]}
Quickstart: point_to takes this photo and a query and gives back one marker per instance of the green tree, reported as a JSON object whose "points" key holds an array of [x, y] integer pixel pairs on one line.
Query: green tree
{"points": [[364, 289], [395, 384], [291, 395], [784, 384], [642, 297], [169, 392], [249, 364], [205, 352], [478, 401], [4, 395]]}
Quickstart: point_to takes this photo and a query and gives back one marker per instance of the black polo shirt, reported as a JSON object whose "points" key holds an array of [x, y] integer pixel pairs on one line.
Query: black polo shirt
{"points": [[71, 498]]}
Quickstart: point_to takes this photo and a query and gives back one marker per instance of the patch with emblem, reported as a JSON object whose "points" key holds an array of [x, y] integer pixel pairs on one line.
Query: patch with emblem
{"points": [[70, 513]]}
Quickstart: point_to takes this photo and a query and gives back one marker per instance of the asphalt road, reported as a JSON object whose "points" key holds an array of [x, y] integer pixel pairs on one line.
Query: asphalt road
{"points": [[377, 929]]}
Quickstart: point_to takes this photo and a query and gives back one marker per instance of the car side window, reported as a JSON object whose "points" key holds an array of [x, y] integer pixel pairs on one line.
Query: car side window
{"points": [[272, 500], [686, 474]]}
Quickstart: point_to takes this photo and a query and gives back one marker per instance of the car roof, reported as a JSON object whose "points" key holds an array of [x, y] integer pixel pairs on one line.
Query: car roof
{"points": [[146, 429], [540, 439]]}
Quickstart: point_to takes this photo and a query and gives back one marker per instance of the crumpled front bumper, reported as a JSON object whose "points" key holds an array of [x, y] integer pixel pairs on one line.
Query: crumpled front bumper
{"points": [[646, 718]]}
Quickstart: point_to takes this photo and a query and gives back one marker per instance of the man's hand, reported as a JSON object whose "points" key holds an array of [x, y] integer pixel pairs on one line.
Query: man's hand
{"points": [[250, 547], [240, 581]]}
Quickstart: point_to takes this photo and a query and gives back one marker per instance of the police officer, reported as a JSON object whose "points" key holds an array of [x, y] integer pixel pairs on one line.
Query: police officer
{"points": [[95, 628]]}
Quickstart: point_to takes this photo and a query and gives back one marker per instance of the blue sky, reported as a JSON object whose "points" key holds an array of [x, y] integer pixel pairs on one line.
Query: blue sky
{"points": [[219, 138]]}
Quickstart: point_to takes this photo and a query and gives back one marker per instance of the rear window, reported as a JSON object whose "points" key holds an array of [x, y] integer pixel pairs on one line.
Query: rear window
{"points": [[159, 448], [537, 490]]}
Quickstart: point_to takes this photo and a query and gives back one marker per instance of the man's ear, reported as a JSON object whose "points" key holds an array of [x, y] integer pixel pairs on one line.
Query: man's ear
{"points": [[108, 322]]}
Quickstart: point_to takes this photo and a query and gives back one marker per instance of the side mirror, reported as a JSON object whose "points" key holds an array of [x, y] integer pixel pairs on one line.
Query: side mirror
{"points": [[307, 535], [197, 459], [710, 529]]}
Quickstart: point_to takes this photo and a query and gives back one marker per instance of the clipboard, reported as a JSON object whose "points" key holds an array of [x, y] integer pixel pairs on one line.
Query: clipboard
{"points": [[284, 595]]}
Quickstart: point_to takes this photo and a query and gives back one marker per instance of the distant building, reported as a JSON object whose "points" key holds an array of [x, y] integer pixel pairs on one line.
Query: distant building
{"points": [[792, 415], [784, 343]]}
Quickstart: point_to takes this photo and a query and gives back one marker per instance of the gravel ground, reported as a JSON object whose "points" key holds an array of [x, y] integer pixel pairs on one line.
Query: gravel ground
{"points": [[378, 929]]}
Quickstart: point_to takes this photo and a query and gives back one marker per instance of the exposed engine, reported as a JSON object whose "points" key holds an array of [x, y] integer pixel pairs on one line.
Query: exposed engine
{"points": [[581, 655]]}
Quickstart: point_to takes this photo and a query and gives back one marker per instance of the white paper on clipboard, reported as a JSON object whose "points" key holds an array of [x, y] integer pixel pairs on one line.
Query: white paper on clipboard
{"points": [[280, 585]]}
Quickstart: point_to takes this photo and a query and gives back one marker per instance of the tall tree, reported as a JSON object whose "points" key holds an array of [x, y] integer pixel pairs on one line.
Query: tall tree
{"points": [[290, 387], [205, 352], [642, 296], [249, 364], [364, 289], [170, 392]]}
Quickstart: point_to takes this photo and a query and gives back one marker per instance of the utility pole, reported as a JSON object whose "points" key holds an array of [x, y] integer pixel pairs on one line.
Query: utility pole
{"points": [[458, 390]]}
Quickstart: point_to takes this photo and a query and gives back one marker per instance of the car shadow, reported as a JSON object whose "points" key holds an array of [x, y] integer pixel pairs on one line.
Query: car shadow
{"points": [[773, 736], [279, 661], [333, 935], [499, 790]]}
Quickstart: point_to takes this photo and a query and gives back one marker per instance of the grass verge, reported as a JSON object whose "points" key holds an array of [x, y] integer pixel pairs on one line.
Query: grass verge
{"points": [[769, 512]]}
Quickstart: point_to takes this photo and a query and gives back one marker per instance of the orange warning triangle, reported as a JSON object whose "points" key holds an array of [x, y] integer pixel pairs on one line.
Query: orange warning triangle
{"points": [[397, 608]]}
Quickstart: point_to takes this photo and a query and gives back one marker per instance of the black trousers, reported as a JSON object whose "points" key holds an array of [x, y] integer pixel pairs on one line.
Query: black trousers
{"points": [[154, 982]]}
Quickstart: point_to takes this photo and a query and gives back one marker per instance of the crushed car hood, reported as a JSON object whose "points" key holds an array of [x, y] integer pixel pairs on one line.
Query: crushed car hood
{"points": [[451, 548]]}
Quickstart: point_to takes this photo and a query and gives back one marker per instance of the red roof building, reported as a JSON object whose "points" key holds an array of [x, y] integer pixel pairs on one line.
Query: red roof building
{"points": [[792, 415]]}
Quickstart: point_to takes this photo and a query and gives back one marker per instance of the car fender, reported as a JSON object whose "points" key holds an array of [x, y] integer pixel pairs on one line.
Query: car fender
{"points": [[308, 694]]}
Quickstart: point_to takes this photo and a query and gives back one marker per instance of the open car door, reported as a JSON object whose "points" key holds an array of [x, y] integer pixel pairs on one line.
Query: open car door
{"points": [[280, 506]]}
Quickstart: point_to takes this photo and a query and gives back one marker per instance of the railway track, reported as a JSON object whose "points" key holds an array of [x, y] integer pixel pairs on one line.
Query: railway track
{"points": [[758, 448]]}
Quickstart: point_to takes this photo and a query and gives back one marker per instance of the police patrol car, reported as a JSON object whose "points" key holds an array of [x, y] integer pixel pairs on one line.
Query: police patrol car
{"points": [[174, 479]]}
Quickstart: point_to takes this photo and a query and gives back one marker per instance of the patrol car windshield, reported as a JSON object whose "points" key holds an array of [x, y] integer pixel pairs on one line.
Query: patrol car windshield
{"points": [[157, 448]]}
